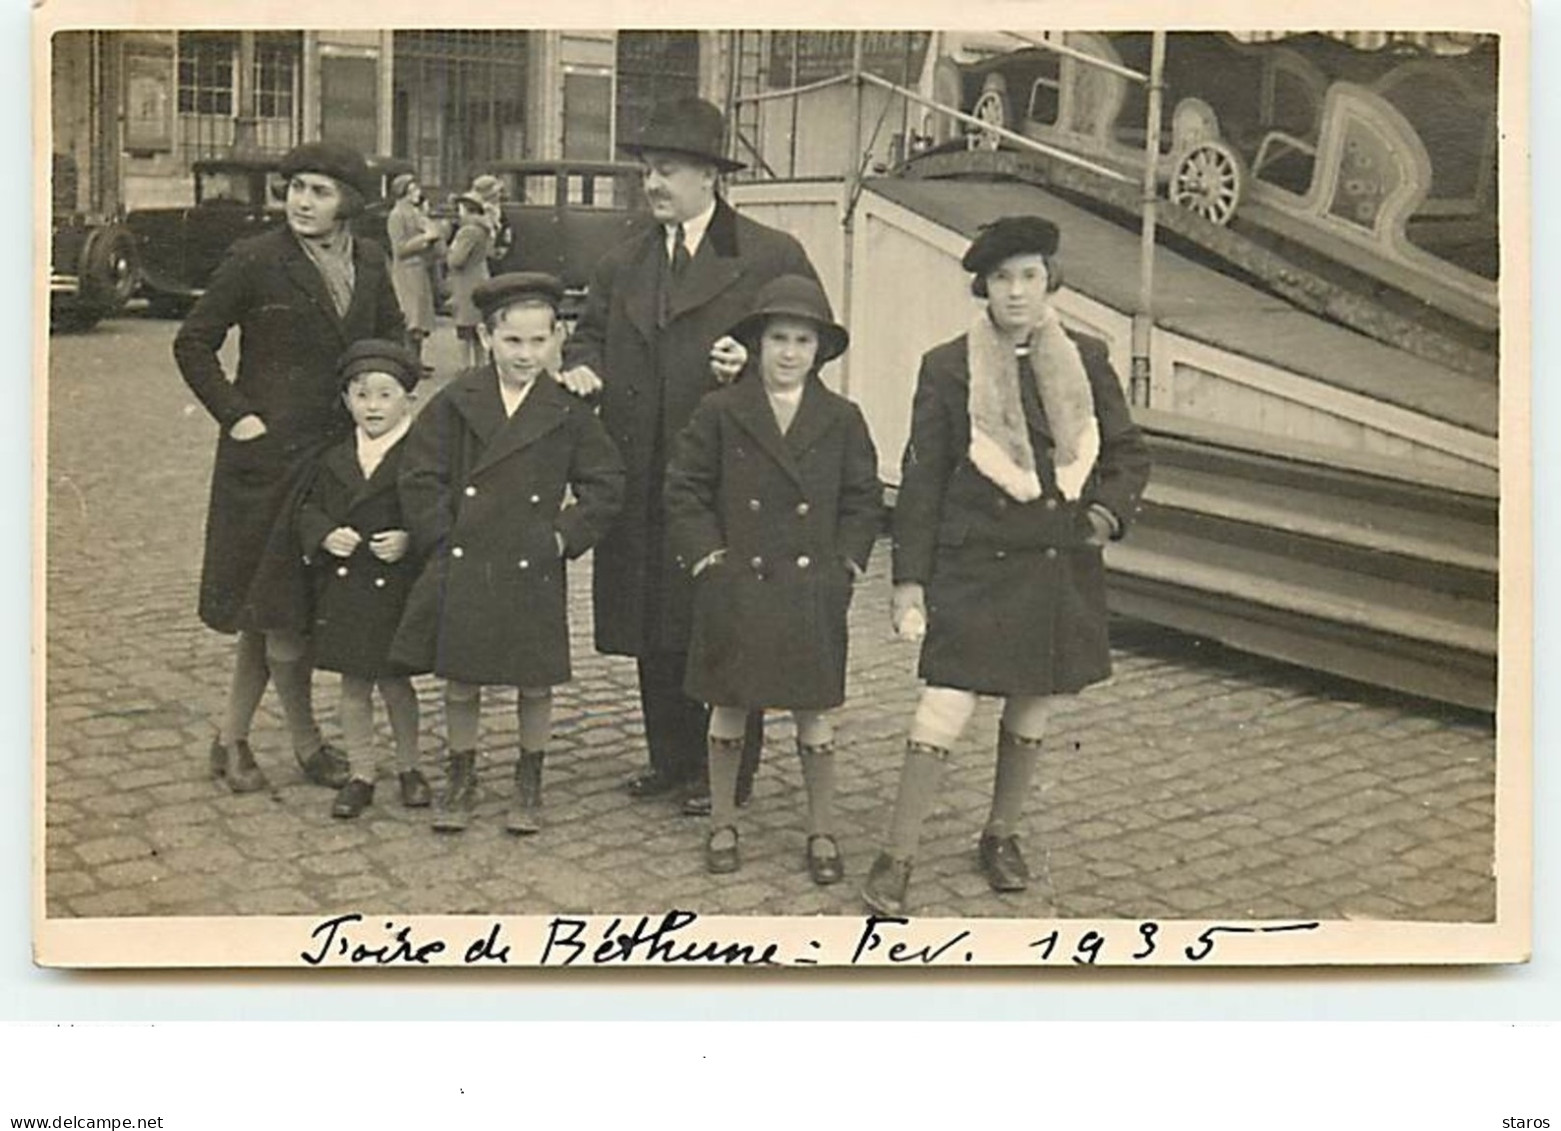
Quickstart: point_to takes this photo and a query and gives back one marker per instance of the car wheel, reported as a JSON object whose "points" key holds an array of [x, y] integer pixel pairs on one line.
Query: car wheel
{"points": [[108, 271], [1208, 180], [994, 109]]}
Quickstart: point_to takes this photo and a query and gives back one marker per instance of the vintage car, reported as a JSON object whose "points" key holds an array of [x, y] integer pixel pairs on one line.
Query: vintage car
{"points": [[92, 259], [178, 248], [565, 215], [1383, 161]]}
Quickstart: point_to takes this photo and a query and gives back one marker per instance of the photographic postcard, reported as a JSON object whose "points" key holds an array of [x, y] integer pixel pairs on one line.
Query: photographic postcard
{"points": [[1254, 691]]}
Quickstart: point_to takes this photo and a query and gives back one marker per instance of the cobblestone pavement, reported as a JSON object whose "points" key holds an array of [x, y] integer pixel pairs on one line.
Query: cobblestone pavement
{"points": [[1196, 783]]}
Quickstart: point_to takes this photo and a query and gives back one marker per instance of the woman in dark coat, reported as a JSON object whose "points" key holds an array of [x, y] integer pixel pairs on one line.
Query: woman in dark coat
{"points": [[299, 296], [1023, 462], [773, 502]]}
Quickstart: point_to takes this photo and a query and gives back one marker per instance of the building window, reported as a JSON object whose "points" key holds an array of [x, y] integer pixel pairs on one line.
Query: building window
{"points": [[206, 72], [276, 75], [210, 106]]}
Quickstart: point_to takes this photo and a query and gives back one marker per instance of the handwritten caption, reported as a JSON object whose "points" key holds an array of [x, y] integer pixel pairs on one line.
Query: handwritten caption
{"points": [[675, 938]]}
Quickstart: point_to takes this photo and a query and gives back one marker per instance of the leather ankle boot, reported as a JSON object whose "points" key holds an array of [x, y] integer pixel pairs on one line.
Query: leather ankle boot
{"points": [[525, 813], [453, 809]]}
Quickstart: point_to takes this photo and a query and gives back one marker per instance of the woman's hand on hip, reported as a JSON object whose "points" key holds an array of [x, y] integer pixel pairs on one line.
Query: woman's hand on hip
{"points": [[908, 610], [249, 427]]}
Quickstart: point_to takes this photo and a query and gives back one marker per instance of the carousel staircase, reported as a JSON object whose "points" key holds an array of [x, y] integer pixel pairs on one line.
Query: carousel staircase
{"points": [[1338, 564]]}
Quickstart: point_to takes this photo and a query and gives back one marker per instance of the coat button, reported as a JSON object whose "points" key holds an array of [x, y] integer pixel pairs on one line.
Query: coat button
{"points": [[535, 499], [1051, 504], [755, 505], [802, 510], [379, 583], [470, 491], [804, 561], [1051, 551], [457, 553], [341, 571], [1001, 555], [756, 563], [524, 564]]}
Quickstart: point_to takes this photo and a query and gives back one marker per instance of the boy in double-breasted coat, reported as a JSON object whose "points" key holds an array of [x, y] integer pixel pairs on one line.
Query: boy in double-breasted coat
{"points": [[774, 501], [350, 531], [483, 486]]}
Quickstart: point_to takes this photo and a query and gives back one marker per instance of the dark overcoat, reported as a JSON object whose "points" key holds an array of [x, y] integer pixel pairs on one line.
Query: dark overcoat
{"points": [[290, 337], [790, 511], [655, 367], [1016, 601], [357, 600], [484, 497]]}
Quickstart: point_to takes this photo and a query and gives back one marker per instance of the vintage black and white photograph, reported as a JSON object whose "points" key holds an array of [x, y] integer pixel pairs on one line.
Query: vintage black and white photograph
{"points": [[790, 478]]}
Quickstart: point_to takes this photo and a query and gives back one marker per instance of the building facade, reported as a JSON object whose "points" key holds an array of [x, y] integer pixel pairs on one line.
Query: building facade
{"points": [[133, 111]]}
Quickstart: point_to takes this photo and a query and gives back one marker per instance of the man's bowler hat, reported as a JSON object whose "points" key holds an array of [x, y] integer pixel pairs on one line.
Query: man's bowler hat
{"points": [[688, 126]]}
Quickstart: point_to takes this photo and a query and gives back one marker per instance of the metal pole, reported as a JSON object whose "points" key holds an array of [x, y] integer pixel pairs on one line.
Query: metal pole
{"points": [[1143, 318], [796, 99], [853, 186]]}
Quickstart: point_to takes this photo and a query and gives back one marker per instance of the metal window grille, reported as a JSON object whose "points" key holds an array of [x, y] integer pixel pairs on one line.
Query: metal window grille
{"points": [[653, 66], [459, 103]]}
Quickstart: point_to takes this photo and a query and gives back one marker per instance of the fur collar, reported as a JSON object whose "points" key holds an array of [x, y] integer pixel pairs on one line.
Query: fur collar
{"points": [[1000, 446]]}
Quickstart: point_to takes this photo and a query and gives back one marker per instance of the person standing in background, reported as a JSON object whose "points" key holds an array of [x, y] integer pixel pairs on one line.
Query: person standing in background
{"points": [[415, 245], [467, 268]]}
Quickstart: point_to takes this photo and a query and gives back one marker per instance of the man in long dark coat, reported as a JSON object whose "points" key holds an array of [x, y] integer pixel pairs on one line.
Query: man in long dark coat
{"points": [[653, 340]]}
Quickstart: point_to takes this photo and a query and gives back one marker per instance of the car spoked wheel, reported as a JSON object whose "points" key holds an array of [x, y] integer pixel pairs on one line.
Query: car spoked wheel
{"points": [[993, 110], [1208, 181]]}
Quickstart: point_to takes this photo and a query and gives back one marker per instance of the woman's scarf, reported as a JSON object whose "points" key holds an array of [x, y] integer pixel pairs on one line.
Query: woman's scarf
{"points": [[999, 436], [334, 261]]}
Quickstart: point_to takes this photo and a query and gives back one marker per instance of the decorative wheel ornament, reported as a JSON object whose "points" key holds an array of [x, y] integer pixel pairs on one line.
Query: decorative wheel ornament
{"points": [[1208, 181]]}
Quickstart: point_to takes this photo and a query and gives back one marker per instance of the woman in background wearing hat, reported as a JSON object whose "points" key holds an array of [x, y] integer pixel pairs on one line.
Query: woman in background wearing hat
{"points": [[1023, 462], [415, 246], [350, 530], [466, 266], [490, 190], [300, 295], [773, 502]]}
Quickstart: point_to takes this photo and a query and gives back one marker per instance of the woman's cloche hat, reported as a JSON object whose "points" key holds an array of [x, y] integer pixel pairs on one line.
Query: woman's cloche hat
{"points": [[1010, 236], [689, 126], [795, 296], [332, 159]]}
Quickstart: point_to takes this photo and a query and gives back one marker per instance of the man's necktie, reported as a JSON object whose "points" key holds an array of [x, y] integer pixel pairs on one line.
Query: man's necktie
{"points": [[680, 255]]}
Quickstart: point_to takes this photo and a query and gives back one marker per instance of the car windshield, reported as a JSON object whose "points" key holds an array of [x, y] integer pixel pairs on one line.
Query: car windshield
{"points": [[276, 192], [224, 186]]}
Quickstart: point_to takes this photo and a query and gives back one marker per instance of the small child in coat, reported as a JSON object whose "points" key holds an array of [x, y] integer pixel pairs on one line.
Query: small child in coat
{"points": [[353, 537], [506, 477], [773, 503]]}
